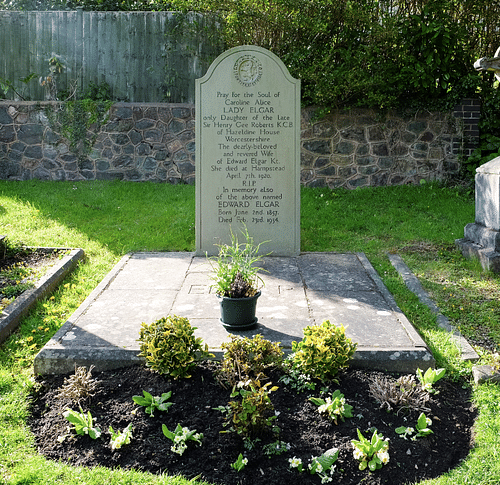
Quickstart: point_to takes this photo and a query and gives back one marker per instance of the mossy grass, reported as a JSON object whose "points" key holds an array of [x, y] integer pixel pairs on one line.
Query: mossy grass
{"points": [[110, 219]]}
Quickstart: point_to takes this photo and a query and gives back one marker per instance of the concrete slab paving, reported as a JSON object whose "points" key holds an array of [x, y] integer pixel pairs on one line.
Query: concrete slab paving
{"points": [[299, 291]]}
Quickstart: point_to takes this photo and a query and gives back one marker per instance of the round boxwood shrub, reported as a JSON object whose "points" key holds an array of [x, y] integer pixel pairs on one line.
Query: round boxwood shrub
{"points": [[248, 358], [323, 351], [170, 347]]}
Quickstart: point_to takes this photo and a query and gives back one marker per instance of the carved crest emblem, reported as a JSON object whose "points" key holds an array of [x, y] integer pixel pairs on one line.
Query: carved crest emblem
{"points": [[248, 70]]}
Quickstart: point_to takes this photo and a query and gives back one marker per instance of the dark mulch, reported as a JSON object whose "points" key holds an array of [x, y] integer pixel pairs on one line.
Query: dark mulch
{"points": [[301, 426], [25, 256]]}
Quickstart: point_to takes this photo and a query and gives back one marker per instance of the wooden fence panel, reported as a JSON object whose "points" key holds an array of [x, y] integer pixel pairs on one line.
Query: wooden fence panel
{"points": [[127, 50]]}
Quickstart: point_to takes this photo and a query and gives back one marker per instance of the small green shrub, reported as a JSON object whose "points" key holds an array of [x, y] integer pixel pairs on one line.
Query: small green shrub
{"points": [[120, 438], [180, 438], [246, 358], [254, 414], [83, 424], [429, 378], [372, 453], [323, 351], [334, 407], [170, 347]]}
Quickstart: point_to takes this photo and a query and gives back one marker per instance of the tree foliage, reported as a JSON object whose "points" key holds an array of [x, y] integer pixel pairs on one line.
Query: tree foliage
{"points": [[371, 53]]}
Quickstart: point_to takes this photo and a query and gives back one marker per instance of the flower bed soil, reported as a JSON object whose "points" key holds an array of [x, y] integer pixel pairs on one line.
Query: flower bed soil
{"points": [[34, 258], [308, 433]]}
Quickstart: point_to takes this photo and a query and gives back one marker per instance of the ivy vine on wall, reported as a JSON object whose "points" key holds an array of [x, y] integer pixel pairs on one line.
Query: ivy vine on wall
{"points": [[79, 120]]}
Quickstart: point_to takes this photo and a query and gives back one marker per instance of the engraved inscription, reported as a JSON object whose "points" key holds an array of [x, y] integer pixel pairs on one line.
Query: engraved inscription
{"points": [[250, 129]]}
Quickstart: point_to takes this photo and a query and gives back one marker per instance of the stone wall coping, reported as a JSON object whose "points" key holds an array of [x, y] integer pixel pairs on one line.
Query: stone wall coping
{"points": [[10, 102]]}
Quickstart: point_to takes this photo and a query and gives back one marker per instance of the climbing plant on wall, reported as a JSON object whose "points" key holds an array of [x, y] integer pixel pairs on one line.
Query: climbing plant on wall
{"points": [[79, 118]]}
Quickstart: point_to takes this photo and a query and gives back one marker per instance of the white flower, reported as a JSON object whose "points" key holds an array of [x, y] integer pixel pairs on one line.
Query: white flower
{"points": [[429, 421], [314, 461], [358, 454], [179, 448], [326, 479], [294, 462], [244, 383], [244, 461], [383, 456]]}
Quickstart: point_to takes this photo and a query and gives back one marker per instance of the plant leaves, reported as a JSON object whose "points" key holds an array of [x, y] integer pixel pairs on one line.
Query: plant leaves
{"points": [[317, 400], [167, 433], [94, 433]]}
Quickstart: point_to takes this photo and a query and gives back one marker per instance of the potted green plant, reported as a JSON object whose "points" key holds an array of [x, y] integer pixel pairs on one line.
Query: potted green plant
{"points": [[237, 283]]}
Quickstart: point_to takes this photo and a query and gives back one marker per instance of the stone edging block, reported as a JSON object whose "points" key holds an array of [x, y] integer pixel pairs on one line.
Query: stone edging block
{"points": [[12, 315]]}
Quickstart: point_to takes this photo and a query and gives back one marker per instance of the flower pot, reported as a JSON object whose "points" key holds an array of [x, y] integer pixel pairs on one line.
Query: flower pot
{"points": [[238, 313]]}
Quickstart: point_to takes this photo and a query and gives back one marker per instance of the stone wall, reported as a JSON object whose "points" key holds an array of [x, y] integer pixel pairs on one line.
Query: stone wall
{"points": [[357, 148], [155, 142]]}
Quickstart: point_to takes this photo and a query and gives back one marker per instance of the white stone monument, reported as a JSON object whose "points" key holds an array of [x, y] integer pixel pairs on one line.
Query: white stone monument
{"points": [[482, 238], [248, 152]]}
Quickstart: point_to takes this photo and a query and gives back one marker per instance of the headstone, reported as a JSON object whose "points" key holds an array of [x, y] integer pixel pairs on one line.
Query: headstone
{"points": [[482, 238], [248, 152]]}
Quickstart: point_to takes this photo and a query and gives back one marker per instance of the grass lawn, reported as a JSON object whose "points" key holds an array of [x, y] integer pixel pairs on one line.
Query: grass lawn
{"points": [[109, 219]]}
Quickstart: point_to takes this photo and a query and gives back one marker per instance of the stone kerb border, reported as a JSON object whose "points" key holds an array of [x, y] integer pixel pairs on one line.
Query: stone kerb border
{"points": [[13, 313], [156, 142]]}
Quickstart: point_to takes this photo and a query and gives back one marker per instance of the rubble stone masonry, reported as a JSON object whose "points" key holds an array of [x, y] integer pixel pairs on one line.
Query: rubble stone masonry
{"points": [[156, 142]]}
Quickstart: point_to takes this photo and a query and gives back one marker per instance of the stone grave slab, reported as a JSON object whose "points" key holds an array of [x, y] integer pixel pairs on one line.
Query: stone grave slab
{"points": [[299, 291]]}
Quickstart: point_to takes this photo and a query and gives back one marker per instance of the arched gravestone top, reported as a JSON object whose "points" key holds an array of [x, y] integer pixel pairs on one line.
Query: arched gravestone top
{"points": [[248, 152]]}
